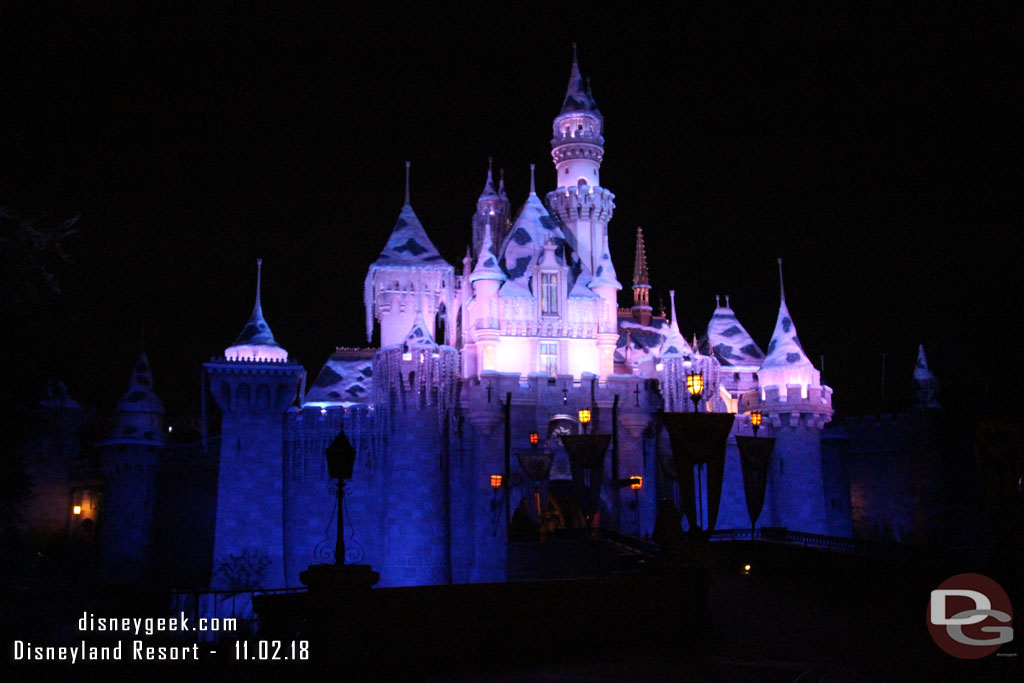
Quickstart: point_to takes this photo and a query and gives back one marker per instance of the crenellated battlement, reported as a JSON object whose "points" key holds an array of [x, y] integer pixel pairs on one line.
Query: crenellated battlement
{"points": [[582, 203]]}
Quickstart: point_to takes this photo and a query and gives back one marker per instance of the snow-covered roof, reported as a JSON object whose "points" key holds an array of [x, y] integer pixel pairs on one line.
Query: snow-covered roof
{"points": [[922, 373], [577, 95], [256, 341], [785, 351], [514, 290], [140, 397], [675, 344], [419, 335], [604, 274], [524, 243], [487, 267], [732, 344], [344, 379], [409, 245]]}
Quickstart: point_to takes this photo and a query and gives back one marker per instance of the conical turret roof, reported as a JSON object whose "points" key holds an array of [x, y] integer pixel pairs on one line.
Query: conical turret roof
{"points": [[140, 397], [256, 330], [784, 350], [675, 344], [604, 274], [489, 192], [730, 341], [419, 335], [577, 93], [487, 267]]}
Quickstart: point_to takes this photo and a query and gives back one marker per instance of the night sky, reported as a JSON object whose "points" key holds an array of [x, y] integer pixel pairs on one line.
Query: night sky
{"points": [[875, 149]]}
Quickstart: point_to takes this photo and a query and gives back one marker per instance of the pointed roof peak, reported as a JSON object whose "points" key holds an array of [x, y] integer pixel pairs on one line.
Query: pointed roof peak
{"points": [[407, 165], [921, 369], [640, 274], [729, 341], [487, 267], [489, 192], [675, 344], [533, 187], [256, 331], [419, 335], [577, 93], [501, 184], [782, 288]]}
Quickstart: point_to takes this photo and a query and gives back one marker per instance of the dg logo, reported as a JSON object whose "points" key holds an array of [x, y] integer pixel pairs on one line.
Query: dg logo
{"points": [[969, 616]]}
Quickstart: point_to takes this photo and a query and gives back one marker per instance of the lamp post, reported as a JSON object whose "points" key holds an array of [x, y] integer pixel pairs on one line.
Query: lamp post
{"points": [[341, 459]]}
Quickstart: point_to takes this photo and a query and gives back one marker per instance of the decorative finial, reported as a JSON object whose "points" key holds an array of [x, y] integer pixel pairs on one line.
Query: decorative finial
{"points": [[574, 51], [727, 304], [532, 189], [672, 300], [718, 302], [490, 161], [259, 278], [501, 180], [407, 165], [782, 289]]}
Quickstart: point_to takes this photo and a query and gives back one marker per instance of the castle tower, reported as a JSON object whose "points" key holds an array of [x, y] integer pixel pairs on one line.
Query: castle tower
{"points": [[129, 460], [415, 387], [791, 395], [409, 273], [254, 384], [642, 310], [577, 148], [494, 207]]}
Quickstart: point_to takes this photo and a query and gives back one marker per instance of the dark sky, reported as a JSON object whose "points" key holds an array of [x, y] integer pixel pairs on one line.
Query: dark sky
{"points": [[876, 149]]}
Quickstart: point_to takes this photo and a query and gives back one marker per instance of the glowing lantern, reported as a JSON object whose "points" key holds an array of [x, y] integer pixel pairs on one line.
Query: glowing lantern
{"points": [[636, 483], [534, 438], [755, 420], [495, 481], [584, 416], [77, 509], [695, 385]]}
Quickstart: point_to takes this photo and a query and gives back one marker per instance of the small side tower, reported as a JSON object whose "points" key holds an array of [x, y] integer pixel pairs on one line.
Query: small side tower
{"points": [[577, 148], [129, 460], [254, 384], [491, 207], [792, 396], [409, 277]]}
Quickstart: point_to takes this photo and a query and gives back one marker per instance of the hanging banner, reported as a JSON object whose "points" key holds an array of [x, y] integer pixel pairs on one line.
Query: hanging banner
{"points": [[586, 457], [755, 454], [699, 439]]}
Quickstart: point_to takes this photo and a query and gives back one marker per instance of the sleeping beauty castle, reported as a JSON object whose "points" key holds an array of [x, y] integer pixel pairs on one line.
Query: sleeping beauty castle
{"points": [[457, 418]]}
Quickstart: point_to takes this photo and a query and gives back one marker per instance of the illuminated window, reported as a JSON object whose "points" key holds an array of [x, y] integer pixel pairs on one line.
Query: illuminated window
{"points": [[549, 357], [549, 293]]}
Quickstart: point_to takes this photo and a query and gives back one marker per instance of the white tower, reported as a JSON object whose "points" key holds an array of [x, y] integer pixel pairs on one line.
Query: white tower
{"points": [[577, 148]]}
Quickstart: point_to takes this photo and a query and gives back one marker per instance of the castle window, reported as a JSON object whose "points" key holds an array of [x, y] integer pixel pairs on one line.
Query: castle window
{"points": [[549, 293], [549, 358]]}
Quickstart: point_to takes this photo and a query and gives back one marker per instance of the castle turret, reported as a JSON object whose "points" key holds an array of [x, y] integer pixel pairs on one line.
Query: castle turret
{"points": [[253, 391], [486, 279], [791, 395], [409, 273], [577, 148], [129, 460], [494, 207]]}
